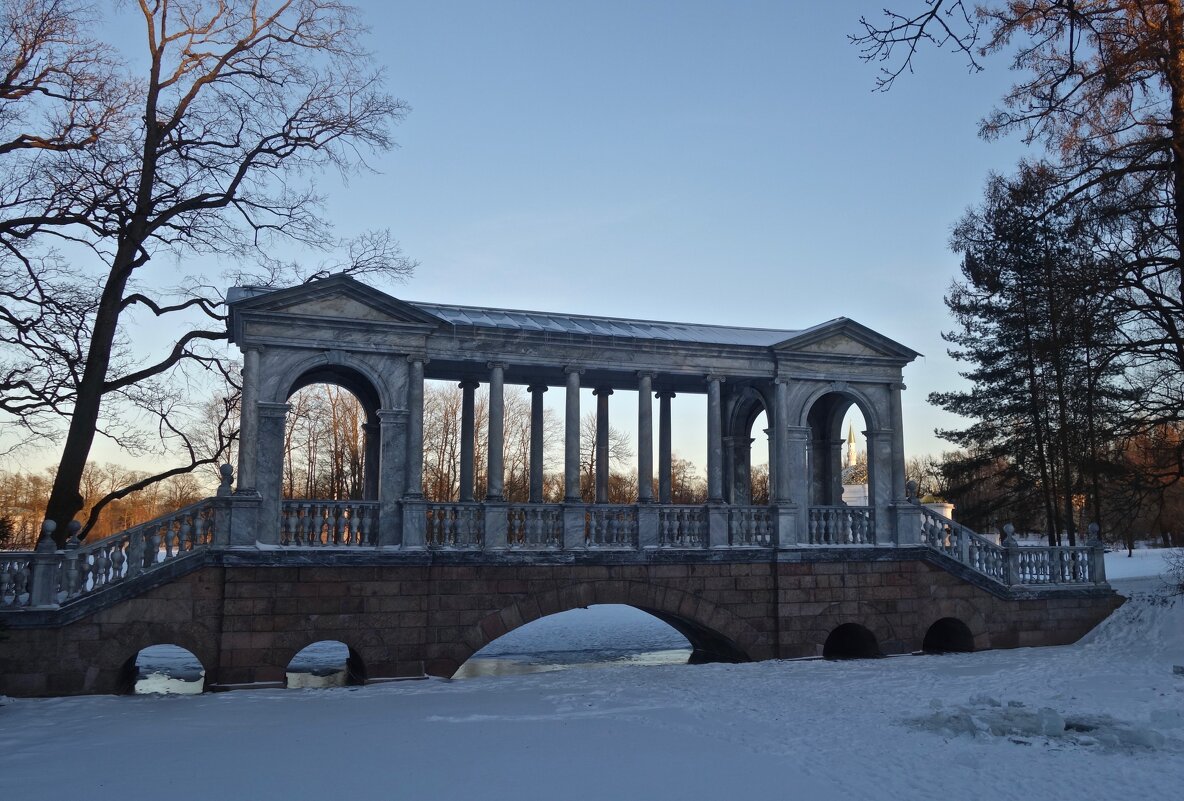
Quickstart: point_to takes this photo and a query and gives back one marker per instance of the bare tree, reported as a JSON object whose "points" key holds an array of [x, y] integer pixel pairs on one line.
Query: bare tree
{"points": [[213, 150]]}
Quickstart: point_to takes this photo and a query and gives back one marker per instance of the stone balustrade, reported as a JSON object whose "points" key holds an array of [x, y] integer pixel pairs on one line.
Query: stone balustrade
{"points": [[610, 526], [16, 579], [455, 525], [329, 523], [682, 526], [750, 526], [842, 525], [534, 525], [50, 577]]}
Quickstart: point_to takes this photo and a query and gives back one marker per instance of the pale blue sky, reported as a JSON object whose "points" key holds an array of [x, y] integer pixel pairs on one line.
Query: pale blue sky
{"points": [[702, 161]]}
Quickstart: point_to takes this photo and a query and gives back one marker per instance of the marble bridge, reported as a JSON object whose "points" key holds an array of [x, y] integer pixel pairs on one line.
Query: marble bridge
{"points": [[246, 579]]}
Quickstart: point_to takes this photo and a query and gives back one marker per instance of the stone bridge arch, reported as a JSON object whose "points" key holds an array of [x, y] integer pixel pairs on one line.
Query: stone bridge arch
{"points": [[114, 667], [715, 633], [959, 609]]}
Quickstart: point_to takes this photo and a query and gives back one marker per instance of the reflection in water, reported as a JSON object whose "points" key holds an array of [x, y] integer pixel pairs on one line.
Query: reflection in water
{"points": [[597, 637]]}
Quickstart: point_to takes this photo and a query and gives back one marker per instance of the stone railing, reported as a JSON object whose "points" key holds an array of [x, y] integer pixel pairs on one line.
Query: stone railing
{"points": [[750, 526], [610, 526], [49, 577], [682, 526], [16, 579], [842, 525], [1014, 564], [1053, 565], [963, 545], [455, 525], [534, 525], [328, 523]]}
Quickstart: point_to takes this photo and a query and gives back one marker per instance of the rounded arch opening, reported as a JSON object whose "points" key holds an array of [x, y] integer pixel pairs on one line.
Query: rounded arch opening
{"points": [[851, 641], [840, 467], [163, 669], [948, 636], [599, 635], [746, 450], [331, 438], [325, 663]]}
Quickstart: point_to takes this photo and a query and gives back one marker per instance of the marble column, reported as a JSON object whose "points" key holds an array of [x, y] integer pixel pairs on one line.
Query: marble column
{"points": [[897, 441], [415, 428], [602, 393], [780, 454], [248, 427], [741, 470], [392, 475], [269, 480], [571, 438], [373, 445], [834, 462], [664, 454], [468, 439], [536, 441], [645, 438], [715, 445], [495, 491]]}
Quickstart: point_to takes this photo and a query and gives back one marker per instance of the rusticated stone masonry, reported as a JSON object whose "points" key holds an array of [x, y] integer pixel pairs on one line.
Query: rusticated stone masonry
{"points": [[246, 621]]}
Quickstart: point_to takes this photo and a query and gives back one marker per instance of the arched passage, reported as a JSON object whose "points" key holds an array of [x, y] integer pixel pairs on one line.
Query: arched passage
{"points": [[948, 635], [851, 641], [163, 669], [747, 445], [600, 634], [717, 634], [325, 663], [833, 419]]}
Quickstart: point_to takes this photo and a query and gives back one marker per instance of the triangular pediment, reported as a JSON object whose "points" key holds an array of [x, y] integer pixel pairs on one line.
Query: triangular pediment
{"points": [[844, 337], [337, 297]]}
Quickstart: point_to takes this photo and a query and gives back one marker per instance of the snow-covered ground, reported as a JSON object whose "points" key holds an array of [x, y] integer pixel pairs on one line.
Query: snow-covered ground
{"points": [[1102, 719]]}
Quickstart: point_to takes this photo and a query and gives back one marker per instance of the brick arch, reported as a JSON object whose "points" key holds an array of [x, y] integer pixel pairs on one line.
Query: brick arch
{"points": [[362, 645], [872, 616], [959, 609], [125, 645], [664, 602]]}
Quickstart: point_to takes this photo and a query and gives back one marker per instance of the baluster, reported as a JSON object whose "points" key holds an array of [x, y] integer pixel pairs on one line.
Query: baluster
{"points": [[20, 582], [186, 535], [339, 523], [5, 583], [355, 526]]}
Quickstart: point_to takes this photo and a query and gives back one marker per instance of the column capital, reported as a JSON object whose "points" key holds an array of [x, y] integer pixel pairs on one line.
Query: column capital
{"points": [[496, 365], [781, 379], [603, 389], [713, 377], [798, 432], [387, 416], [537, 388], [252, 348], [665, 393], [272, 409], [469, 383], [646, 374], [570, 369], [897, 385], [742, 440], [415, 357]]}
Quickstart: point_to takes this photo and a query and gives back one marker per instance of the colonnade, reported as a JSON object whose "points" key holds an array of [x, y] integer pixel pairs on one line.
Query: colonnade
{"points": [[495, 467]]}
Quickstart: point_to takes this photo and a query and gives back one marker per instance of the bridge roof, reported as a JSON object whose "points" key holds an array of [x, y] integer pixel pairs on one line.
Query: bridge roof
{"points": [[522, 320]]}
